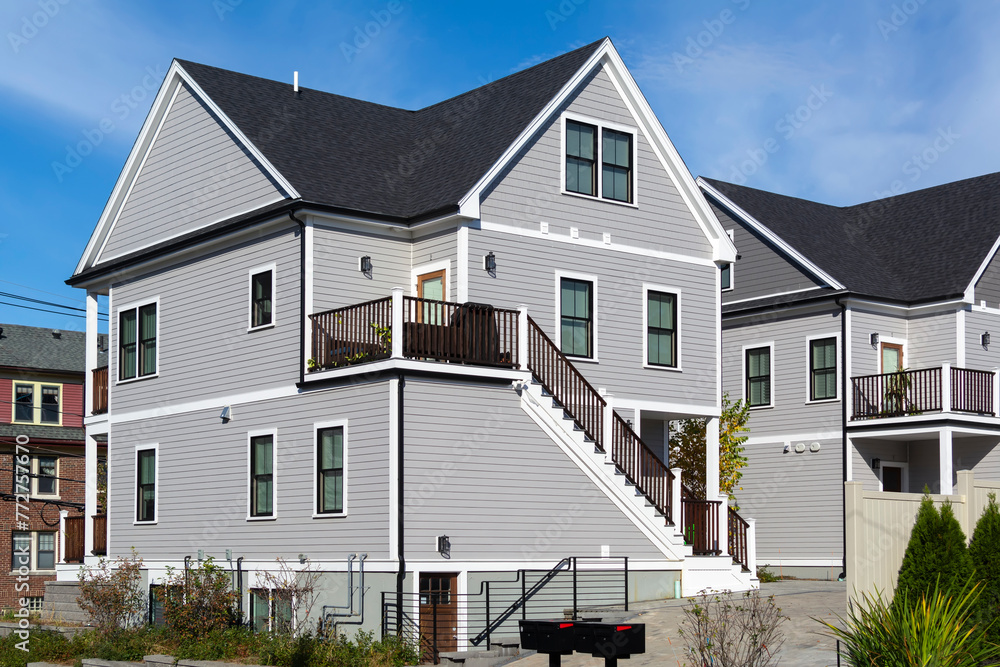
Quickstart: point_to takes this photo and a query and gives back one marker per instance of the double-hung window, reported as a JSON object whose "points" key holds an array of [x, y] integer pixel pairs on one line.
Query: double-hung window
{"points": [[137, 342], [262, 476], [661, 329], [330, 470], [261, 297], [591, 147], [271, 609], [576, 312], [822, 369], [37, 403], [758, 376], [33, 550], [145, 485]]}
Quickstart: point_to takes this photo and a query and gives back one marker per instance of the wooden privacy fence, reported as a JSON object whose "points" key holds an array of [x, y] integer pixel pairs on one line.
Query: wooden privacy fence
{"points": [[879, 525], [74, 537]]}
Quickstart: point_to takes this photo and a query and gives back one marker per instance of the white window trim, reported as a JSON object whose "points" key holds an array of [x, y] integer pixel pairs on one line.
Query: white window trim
{"points": [[273, 268], [593, 316], [809, 341], [274, 473], [432, 267], [35, 467], [156, 482], [317, 427], [898, 464], [116, 350], [892, 341], [743, 365], [676, 292], [732, 267], [36, 402], [601, 125], [33, 568]]}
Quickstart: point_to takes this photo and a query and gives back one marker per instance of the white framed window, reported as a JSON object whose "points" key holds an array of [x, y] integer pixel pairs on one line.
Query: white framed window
{"points": [[823, 372], [270, 611], [261, 302], [598, 159], [661, 336], [138, 340], [35, 550], [758, 375], [330, 469], [576, 298], [262, 462], [726, 270], [147, 483], [37, 403]]}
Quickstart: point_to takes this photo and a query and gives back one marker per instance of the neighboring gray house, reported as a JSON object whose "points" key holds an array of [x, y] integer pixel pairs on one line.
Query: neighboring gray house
{"points": [[322, 346], [861, 337]]}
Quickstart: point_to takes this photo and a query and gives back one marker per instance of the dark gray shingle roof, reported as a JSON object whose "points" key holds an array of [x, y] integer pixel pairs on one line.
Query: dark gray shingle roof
{"points": [[35, 432], [913, 247], [381, 160], [39, 348]]}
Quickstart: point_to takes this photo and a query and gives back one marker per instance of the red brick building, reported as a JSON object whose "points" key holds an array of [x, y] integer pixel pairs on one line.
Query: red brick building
{"points": [[41, 454]]}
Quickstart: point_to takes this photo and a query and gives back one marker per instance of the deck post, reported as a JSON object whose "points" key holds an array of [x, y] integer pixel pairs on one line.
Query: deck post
{"points": [[522, 337], [62, 535], [945, 461], [995, 403], [945, 388], [752, 547], [397, 322], [675, 501]]}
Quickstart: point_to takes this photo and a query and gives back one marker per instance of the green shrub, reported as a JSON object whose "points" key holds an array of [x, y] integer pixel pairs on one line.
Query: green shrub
{"points": [[363, 651], [984, 549], [766, 576], [936, 556], [111, 594], [936, 629], [199, 600]]}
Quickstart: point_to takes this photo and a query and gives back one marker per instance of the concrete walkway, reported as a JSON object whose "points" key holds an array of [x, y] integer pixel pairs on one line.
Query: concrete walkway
{"points": [[800, 601]]}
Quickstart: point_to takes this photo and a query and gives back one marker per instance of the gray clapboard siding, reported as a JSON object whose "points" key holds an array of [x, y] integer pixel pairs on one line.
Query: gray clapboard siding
{"points": [[438, 247], [336, 279], [529, 191], [866, 360], [761, 269], [526, 269], [866, 449], [924, 458], [988, 286], [479, 470], [976, 322], [204, 347], [203, 480], [932, 340], [792, 411], [979, 454], [810, 482], [195, 174]]}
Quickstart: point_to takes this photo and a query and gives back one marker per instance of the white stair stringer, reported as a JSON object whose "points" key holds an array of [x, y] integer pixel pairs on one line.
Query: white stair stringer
{"points": [[599, 468], [714, 574]]}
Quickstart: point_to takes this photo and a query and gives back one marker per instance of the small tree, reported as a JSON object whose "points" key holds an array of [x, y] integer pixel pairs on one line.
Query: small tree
{"points": [[936, 557], [111, 594], [199, 600], [729, 631], [687, 448], [984, 550], [292, 590]]}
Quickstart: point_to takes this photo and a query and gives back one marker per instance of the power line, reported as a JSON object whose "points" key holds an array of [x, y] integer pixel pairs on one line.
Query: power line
{"points": [[45, 310], [35, 289], [10, 295]]}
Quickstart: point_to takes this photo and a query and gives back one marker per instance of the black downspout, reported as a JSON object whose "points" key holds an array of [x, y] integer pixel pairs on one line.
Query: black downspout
{"points": [[843, 427], [239, 584], [401, 574], [302, 298]]}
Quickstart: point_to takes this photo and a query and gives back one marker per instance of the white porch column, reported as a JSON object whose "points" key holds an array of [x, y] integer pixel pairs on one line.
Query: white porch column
{"points": [[675, 501], [522, 337], [62, 535], [90, 354], [945, 461], [752, 546], [712, 459], [397, 322], [90, 493], [946, 387]]}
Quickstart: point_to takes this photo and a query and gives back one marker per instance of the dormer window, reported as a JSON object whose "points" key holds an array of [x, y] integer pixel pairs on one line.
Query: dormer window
{"points": [[589, 145]]}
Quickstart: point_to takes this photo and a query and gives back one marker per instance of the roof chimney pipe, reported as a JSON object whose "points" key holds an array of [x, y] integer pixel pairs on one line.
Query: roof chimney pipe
{"points": [[295, 83]]}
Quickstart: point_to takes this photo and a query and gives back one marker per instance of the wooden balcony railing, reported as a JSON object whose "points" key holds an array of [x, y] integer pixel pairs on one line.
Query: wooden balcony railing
{"points": [[100, 534], [739, 545], [75, 537], [352, 335], [914, 392], [469, 333], [99, 387], [700, 524], [641, 466], [560, 378]]}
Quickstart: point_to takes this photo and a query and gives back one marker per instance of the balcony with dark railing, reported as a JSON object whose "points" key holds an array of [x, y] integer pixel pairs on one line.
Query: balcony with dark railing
{"points": [[943, 389], [99, 387]]}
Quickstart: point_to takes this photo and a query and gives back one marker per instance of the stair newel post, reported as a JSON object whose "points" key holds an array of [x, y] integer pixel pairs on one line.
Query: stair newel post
{"points": [[752, 546], [522, 337], [397, 322], [675, 499], [607, 438]]}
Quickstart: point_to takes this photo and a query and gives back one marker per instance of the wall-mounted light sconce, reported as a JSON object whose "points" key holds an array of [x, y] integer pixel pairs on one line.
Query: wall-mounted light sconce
{"points": [[227, 414], [365, 266], [873, 339], [444, 545], [876, 464], [985, 340], [302, 559], [490, 263]]}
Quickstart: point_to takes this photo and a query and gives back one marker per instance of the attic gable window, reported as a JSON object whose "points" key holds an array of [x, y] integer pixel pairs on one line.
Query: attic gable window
{"points": [[590, 147]]}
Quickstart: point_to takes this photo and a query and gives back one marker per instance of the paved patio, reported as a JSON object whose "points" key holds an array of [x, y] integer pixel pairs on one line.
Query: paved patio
{"points": [[800, 601]]}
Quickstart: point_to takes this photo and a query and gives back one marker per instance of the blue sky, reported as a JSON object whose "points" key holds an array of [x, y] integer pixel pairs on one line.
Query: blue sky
{"points": [[840, 102]]}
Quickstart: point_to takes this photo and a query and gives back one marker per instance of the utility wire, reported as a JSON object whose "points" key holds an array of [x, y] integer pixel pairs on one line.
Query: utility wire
{"points": [[35, 289], [44, 310]]}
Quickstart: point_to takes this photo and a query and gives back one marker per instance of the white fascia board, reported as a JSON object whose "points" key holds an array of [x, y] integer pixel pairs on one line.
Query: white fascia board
{"points": [[175, 76], [970, 290], [770, 236]]}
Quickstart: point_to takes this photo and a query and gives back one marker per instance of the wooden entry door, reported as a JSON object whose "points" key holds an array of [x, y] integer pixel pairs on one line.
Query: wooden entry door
{"points": [[438, 614], [892, 358], [892, 478], [431, 286]]}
